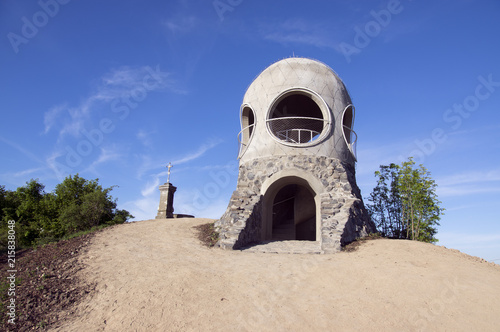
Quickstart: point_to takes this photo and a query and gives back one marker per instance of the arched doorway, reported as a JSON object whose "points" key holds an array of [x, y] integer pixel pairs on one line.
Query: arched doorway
{"points": [[293, 214]]}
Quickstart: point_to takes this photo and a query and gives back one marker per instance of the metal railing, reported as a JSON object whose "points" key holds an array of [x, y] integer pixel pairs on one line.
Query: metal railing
{"points": [[353, 139], [243, 145], [296, 129], [301, 135]]}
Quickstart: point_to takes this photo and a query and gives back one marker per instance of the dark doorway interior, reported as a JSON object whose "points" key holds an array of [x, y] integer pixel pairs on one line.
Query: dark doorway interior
{"points": [[294, 214]]}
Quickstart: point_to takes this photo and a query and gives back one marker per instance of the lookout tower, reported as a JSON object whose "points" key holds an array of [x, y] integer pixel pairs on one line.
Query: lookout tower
{"points": [[297, 160]]}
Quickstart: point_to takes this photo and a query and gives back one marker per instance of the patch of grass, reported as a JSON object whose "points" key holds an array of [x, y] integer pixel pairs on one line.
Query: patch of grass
{"points": [[4, 286], [42, 324], [85, 232], [207, 234]]}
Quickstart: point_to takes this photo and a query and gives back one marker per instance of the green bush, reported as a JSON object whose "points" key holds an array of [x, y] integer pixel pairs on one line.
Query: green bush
{"points": [[75, 205]]}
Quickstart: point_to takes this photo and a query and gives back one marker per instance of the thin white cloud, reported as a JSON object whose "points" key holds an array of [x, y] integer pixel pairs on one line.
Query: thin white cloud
{"points": [[19, 178], [145, 206], [145, 137], [149, 165], [22, 150], [58, 169], [184, 203], [27, 172], [50, 117], [371, 157], [469, 183], [151, 187], [145, 165], [197, 154], [465, 207], [114, 85], [107, 154], [470, 177], [465, 190], [181, 24], [299, 31]]}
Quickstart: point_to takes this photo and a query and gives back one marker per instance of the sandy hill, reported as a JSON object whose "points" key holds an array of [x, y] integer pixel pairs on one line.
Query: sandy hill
{"points": [[156, 276]]}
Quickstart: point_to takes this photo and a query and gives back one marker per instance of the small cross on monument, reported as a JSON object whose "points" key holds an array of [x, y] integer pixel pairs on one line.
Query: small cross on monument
{"points": [[169, 166]]}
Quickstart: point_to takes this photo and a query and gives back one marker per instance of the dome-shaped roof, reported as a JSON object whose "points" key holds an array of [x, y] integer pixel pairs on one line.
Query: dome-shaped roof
{"points": [[296, 106], [294, 72]]}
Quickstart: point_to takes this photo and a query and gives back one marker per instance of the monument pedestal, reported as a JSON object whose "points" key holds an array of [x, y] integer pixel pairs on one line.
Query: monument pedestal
{"points": [[166, 207]]}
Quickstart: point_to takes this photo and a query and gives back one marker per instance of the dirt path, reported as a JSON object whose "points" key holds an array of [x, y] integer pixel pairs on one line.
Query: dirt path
{"points": [[156, 276]]}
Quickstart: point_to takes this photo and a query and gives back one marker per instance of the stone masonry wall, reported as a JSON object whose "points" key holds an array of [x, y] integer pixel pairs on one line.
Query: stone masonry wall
{"points": [[343, 215]]}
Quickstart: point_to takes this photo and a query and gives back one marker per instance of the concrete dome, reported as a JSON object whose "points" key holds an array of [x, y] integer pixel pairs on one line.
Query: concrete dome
{"points": [[297, 106]]}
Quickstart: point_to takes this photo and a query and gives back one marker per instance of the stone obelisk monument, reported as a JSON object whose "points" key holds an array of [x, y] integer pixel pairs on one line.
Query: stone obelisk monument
{"points": [[167, 190]]}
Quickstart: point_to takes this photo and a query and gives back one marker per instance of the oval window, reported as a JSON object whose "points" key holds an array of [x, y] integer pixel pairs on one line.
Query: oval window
{"points": [[247, 128], [296, 119], [350, 136]]}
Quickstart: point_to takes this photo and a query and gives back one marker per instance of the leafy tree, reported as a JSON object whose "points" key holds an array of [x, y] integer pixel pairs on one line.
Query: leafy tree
{"points": [[386, 207], [32, 213], [84, 204], [3, 200], [75, 205], [404, 202]]}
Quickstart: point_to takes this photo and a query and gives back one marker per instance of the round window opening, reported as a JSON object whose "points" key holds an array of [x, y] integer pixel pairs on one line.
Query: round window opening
{"points": [[296, 119]]}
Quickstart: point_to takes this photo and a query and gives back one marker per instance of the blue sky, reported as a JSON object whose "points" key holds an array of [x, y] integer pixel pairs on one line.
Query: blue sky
{"points": [[117, 89]]}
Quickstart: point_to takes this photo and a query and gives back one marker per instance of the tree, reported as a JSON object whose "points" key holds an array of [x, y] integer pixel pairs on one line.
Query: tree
{"points": [[404, 202], [84, 204], [32, 213], [75, 205], [29, 207], [386, 208]]}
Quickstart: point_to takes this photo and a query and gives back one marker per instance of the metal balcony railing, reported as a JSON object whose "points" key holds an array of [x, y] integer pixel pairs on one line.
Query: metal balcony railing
{"points": [[351, 138], [297, 129], [244, 137], [297, 135]]}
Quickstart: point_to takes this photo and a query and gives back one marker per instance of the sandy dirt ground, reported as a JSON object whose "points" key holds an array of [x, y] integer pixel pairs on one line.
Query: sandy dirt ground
{"points": [[157, 276]]}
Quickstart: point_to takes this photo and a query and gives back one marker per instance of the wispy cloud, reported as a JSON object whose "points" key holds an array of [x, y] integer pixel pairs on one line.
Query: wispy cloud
{"points": [[27, 172], [143, 206], [197, 154], [299, 31], [465, 190], [370, 157], [107, 154], [114, 85], [181, 24], [146, 164], [22, 150], [466, 207], [216, 208], [149, 163], [145, 137], [50, 117], [469, 183], [151, 187], [470, 177], [20, 177]]}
